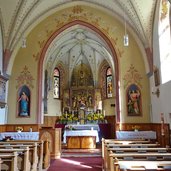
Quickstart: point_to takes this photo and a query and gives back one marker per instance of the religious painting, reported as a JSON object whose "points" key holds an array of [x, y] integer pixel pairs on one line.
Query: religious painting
{"points": [[82, 98], [24, 102], [134, 101], [156, 77], [82, 76]]}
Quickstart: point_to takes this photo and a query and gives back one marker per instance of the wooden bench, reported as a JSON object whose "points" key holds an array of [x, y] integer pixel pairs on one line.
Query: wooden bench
{"points": [[133, 156], [36, 151], [23, 162], [110, 146], [142, 165], [9, 161], [33, 157]]}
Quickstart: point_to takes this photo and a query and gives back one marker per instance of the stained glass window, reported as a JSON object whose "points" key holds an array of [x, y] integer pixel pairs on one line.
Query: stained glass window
{"points": [[56, 84], [109, 86]]}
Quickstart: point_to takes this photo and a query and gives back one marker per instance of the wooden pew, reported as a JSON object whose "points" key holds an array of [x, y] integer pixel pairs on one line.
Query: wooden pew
{"points": [[33, 157], [9, 161], [142, 165], [140, 157], [109, 142], [117, 141], [0, 164], [41, 151], [23, 157], [106, 150]]}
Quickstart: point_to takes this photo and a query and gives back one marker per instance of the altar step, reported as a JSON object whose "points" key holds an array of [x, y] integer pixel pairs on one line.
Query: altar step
{"points": [[81, 153]]}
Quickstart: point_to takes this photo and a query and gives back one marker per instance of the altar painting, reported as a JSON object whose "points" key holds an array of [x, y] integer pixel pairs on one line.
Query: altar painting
{"points": [[82, 98]]}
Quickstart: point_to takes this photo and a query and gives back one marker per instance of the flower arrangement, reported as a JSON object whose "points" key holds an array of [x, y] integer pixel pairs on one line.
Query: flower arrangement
{"points": [[64, 118], [19, 128], [136, 127], [95, 117]]}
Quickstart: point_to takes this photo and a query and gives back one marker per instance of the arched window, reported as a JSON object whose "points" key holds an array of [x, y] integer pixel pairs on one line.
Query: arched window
{"points": [[56, 83], [109, 86], [165, 41]]}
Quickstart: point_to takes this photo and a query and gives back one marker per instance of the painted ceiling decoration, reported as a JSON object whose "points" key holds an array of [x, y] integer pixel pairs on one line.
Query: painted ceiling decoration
{"points": [[18, 15], [78, 44]]}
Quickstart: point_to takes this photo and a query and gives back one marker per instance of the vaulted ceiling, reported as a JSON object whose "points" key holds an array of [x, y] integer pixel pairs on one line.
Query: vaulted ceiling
{"points": [[17, 16]]}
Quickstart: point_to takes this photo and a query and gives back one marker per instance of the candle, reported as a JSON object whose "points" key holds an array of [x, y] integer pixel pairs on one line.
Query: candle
{"points": [[104, 113]]}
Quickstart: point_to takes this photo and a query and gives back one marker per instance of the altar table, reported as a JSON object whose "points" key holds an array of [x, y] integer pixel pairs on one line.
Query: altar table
{"points": [[20, 135], [76, 133], [136, 135], [81, 138]]}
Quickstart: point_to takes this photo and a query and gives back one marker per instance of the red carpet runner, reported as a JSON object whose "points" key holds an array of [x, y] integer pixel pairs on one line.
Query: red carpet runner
{"points": [[76, 164]]}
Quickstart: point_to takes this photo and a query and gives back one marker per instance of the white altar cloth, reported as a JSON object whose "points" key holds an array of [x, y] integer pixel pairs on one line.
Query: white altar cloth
{"points": [[80, 133], [84, 127], [135, 134], [20, 135]]}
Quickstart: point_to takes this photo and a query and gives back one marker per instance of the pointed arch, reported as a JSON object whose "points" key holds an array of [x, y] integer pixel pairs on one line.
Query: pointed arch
{"points": [[45, 48]]}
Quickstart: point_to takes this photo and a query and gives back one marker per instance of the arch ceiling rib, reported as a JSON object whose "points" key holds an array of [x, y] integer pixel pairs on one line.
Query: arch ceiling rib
{"points": [[18, 15]]}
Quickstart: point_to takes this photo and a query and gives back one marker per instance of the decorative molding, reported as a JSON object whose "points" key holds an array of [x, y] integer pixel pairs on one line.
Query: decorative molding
{"points": [[164, 10], [25, 77], [132, 77]]}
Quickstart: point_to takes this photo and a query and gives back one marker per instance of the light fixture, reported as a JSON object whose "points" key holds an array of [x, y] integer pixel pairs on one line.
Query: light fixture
{"points": [[156, 92], [126, 37]]}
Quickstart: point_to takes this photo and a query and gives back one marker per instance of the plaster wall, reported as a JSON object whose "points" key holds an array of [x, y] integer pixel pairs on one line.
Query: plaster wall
{"points": [[32, 54]]}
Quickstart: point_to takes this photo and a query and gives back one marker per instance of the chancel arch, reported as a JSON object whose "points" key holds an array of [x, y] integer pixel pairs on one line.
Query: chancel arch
{"points": [[81, 52]]}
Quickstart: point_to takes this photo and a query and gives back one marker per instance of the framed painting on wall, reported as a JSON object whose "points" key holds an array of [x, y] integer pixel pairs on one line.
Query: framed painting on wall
{"points": [[134, 101]]}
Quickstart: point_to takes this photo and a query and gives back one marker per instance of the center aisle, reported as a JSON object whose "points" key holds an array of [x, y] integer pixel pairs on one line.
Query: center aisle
{"points": [[76, 164], [78, 160]]}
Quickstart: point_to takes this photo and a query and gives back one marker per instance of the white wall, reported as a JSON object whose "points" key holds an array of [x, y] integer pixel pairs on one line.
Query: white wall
{"points": [[163, 103], [54, 105]]}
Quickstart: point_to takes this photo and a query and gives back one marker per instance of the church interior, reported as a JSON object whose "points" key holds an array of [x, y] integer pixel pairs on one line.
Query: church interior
{"points": [[80, 74]]}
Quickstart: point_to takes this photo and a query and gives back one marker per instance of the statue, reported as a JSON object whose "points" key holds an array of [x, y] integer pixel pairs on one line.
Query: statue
{"points": [[74, 102], [90, 100], [23, 104], [81, 78]]}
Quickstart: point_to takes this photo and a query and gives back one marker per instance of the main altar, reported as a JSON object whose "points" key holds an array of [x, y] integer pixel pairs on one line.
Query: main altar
{"points": [[82, 101], [81, 110]]}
